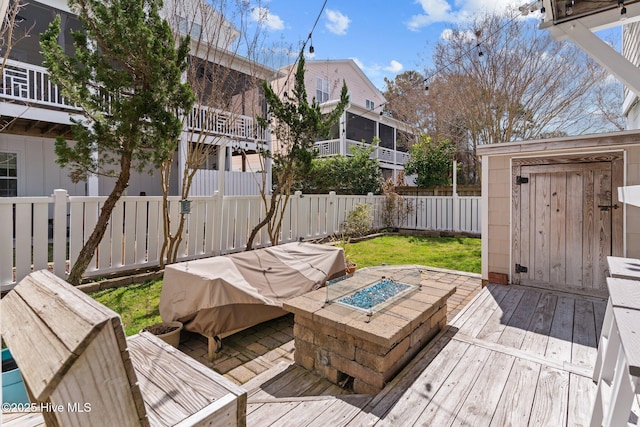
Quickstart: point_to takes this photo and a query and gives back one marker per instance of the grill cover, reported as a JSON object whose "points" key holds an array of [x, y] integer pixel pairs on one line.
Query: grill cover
{"points": [[225, 294]]}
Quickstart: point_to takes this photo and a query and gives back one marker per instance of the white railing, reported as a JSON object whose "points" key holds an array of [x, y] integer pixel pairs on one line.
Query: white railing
{"points": [[219, 122], [328, 148], [402, 157], [386, 155], [205, 183], [30, 84], [41, 235]]}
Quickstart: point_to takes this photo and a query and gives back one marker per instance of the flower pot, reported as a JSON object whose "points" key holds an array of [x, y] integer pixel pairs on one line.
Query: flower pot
{"points": [[350, 269], [168, 332], [13, 390]]}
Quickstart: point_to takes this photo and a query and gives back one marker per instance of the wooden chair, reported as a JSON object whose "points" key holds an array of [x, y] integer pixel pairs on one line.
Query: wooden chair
{"points": [[617, 367], [79, 367]]}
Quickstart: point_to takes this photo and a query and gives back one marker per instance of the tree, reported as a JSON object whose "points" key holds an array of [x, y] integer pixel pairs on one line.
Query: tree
{"points": [[222, 43], [295, 123], [408, 100], [10, 34], [8, 29], [431, 160], [126, 77], [499, 79], [355, 174]]}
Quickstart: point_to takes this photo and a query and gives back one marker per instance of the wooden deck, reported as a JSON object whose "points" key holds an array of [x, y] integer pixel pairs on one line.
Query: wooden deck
{"points": [[514, 356]]}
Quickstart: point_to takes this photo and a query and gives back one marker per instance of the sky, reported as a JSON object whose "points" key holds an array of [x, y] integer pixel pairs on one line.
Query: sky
{"points": [[383, 37]]}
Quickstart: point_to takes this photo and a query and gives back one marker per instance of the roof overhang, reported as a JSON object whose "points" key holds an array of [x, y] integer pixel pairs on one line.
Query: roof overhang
{"points": [[587, 17], [598, 12]]}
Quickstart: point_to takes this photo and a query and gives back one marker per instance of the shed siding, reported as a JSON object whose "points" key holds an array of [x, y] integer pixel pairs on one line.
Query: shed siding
{"points": [[499, 199], [499, 193]]}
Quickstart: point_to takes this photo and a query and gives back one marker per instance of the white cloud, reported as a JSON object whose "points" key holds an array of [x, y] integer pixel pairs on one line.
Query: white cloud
{"points": [[394, 67], [377, 73], [265, 17], [337, 23], [446, 11]]}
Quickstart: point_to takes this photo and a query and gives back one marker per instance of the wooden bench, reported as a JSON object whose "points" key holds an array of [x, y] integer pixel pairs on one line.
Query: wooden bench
{"points": [[617, 368], [79, 367]]}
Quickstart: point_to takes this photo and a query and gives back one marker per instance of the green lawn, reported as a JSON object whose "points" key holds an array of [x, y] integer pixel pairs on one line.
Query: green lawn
{"points": [[454, 253], [138, 304]]}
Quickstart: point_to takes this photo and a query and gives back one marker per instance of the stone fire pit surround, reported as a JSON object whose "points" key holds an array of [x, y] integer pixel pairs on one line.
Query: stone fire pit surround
{"points": [[341, 343]]}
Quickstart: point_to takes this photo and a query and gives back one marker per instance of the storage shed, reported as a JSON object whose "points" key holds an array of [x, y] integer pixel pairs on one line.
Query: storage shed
{"points": [[551, 213]]}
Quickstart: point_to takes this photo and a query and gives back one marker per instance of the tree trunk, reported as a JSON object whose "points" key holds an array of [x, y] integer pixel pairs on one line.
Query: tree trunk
{"points": [[265, 221], [89, 248]]}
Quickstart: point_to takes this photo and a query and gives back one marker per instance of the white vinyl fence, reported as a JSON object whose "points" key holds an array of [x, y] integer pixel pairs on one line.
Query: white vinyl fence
{"points": [[48, 232]]}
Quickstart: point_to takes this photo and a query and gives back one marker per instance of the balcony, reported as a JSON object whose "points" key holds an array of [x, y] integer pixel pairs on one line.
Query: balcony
{"points": [[30, 84], [212, 121], [384, 155], [27, 87]]}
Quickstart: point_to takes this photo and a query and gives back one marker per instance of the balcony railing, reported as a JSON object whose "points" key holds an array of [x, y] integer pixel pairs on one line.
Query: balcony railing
{"points": [[219, 122], [30, 84], [386, 155]]}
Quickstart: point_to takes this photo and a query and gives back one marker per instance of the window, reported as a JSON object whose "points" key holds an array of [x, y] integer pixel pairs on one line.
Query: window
{"points": [[322, 90], [385, 133], [369, 104], [189, 27], [360, 129], [8, 175]]}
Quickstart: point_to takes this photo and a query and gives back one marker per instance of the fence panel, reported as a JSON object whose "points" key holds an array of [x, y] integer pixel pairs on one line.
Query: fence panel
{"points": [[215, 225]]}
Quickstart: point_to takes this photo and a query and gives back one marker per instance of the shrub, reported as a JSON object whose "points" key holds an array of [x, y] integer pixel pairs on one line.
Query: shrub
{"points": [[359, 221]]}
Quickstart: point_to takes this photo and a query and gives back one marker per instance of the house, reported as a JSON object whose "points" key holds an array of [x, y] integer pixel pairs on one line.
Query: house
{"points": [[33, 112], [364, 118], [551, 208]]}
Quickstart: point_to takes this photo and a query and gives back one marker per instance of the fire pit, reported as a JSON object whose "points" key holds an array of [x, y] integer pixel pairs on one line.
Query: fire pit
{"points": [[362, 330]]}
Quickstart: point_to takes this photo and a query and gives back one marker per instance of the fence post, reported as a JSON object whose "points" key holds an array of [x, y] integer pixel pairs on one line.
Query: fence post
{"points": [[331, 215], [301, 215], [218, 218], [456, 202], [60, 200], [371, 204]]}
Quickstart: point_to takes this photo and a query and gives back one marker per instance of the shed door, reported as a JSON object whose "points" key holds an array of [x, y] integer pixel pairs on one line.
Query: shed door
{"points": [[565, 225]]}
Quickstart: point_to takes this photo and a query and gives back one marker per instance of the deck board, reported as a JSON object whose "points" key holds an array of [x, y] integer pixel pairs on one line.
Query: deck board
{"points": [[487, 390], [584, 334], [550, 402], [499, 319], [529, 364], [561, 334], [514, 332], [405, 410], [449, 397], [517, 396], [537, 337], [341, 411], [514, 356], [582, 393]]}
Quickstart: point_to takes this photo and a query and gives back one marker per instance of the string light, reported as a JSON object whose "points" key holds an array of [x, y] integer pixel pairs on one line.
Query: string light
{"points": [[304, 45]]}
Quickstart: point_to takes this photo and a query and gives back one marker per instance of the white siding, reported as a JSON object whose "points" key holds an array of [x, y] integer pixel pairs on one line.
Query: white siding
{"points": [[335, 72], [631, 51], [38, 174]]}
